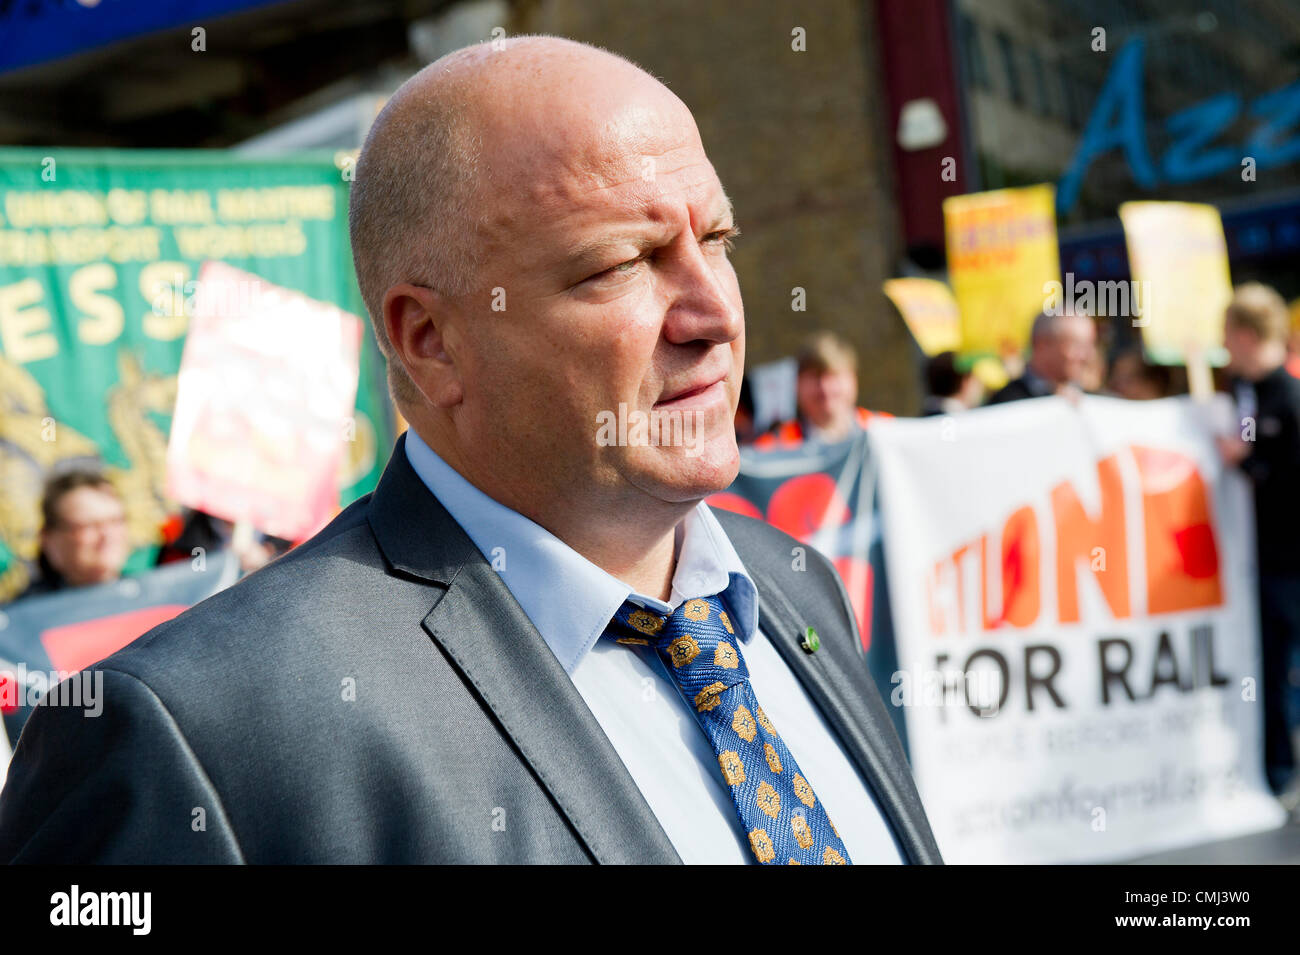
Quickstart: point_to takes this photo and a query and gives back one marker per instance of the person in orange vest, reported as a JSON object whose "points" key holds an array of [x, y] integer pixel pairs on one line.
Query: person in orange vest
{"points": [[826, 394]]}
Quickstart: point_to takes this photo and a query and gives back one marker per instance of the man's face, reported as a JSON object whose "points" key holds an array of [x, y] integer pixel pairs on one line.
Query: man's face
{"points": [[826, 395], [607, 242], [1242, 344], [88, 542], [1066, 353]]}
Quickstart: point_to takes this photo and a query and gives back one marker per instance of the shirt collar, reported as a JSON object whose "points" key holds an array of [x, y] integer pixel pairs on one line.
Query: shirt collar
{"points": [[568, 598]]}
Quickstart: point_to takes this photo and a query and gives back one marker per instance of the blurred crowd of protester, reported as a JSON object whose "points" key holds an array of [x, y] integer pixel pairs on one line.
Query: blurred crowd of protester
{"points": [[84, 539], [1065, 357], [1068, 357]]}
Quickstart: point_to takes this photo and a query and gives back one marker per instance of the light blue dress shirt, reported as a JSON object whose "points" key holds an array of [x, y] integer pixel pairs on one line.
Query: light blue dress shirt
{"points": [[570, 601]]}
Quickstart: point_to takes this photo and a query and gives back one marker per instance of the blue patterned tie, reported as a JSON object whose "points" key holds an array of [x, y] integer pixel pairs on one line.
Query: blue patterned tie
{"points": [[785, 820]]}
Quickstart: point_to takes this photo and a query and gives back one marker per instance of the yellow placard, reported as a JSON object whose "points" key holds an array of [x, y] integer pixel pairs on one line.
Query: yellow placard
{"points": [[1001, 254], [991, 373], [1179, 261], [930, 311]]}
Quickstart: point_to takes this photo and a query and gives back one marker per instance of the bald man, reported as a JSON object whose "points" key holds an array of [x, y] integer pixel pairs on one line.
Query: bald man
{"points": [[533, 642], [1062, 347]]}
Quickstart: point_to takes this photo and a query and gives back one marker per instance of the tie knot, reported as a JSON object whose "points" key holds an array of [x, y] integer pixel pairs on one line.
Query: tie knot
{"points": [[697, 642]]}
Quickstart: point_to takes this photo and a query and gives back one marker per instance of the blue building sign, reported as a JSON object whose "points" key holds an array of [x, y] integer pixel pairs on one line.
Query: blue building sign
{"points": [[1118, 121]]}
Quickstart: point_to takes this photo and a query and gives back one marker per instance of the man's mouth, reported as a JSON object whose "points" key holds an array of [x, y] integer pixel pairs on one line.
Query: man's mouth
{"points": [[707, 390]]}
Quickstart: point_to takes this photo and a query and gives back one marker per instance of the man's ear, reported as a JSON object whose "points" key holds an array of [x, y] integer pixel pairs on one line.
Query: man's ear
{"points": [[417, 320]]}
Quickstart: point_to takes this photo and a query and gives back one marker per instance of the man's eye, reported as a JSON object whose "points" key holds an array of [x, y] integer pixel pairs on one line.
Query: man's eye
{"points": [[724, 237], [623, 268]]}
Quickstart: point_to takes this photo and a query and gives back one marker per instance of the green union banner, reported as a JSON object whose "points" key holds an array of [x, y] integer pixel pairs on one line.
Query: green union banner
{"points": [[99, 252]]}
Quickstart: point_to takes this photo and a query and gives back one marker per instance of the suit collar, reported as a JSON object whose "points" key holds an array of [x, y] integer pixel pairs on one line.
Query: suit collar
{"points": [[416, 534], [479, 625]]}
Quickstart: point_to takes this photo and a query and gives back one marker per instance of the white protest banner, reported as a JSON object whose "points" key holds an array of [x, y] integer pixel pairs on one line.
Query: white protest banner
{"points": [[1073, 599]]}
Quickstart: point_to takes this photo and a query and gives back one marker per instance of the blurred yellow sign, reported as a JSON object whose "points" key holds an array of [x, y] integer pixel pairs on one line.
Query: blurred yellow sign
{"points": [[1179, 260], [930, 312], [1001, 253], [991, 373]]}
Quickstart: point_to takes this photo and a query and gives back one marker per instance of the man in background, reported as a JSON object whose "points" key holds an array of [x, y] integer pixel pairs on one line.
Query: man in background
{"points": [[826, 391], [1256, 327], [83, 533], [1062, 348]]}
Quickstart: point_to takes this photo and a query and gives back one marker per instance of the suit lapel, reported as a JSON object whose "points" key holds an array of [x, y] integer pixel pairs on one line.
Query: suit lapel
{"points": [[839, 695], [481, 627]]}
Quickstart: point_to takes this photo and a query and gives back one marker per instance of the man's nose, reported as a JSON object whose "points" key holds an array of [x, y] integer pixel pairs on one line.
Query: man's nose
{"points": [[699, 304]]}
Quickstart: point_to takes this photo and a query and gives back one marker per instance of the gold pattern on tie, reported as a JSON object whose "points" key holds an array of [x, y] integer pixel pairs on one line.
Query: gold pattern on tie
{"points": [[776, 806]]}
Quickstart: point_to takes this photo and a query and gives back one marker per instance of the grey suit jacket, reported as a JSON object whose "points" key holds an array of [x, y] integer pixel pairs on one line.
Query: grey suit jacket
{"points": [[378, 695]]}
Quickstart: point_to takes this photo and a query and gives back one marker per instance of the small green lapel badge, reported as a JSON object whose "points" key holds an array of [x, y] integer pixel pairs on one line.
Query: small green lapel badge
{"points": [[810, 642]]}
